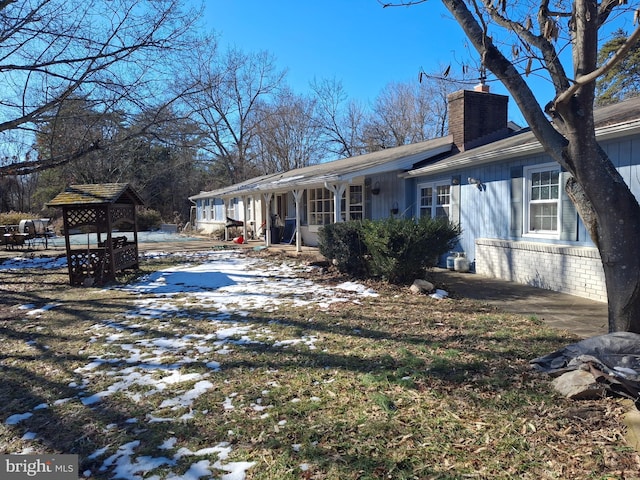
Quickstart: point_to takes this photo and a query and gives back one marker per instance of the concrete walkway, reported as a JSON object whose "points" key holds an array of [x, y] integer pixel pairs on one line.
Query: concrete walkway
{"points": [[580, 316]]}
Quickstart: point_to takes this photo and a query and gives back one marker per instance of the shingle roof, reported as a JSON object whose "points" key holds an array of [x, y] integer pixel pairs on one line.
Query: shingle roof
{"points": [[100, 193], [617, 113], [390, 159], [611, 121], [235, 188]]}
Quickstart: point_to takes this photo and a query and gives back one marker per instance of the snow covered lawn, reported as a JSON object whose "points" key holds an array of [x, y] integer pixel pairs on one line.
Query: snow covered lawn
{"points": [[228, 365], [163, 352]]}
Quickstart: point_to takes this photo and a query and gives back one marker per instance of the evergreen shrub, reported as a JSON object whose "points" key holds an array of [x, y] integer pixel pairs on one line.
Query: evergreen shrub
{"points": [[148, 219], [401, 249], [397, 250], [343, 244]]}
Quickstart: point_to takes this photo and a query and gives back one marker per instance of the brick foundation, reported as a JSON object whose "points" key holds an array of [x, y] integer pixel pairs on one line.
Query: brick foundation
{"points": [[573, 270]]}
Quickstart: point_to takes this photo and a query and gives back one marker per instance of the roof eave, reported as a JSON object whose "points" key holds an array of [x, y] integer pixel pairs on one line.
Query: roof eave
{"points": [[609, 132], [318, 181], [458, 162]]}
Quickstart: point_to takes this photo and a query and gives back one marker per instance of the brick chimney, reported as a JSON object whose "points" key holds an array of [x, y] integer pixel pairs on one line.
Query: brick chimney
{"points": [[477, 117]]}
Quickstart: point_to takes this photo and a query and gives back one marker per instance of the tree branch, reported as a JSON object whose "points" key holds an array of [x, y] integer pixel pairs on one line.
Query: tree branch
{"points": [[40, 164], [583, 80], [506, 72], [549, 54], [5, 3]]}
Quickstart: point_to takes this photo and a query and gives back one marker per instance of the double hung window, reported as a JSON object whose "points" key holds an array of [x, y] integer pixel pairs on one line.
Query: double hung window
{"points": [[320, 204], [356, 202], [434, 200], [542, 200], [232, 208]]}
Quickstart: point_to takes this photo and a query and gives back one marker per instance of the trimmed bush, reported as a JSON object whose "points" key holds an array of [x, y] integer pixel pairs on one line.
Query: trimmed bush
{"points": [[343, 244], [400, 249], [397, 250]]}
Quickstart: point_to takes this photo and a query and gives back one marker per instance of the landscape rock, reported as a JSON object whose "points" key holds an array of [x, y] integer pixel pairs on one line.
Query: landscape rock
{"points": [[579, 385], [421, 286]]}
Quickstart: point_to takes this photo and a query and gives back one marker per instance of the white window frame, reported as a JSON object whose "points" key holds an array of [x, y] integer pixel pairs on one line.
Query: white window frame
{"points": [[206, 208], [214, 209], [232, 209], [248, 210], [436, 197], [528, 173], [317, 201]]}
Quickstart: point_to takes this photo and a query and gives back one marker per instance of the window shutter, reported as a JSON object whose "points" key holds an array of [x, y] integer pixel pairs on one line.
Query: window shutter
{"points": [[516, 201], [454, 206], [367, 199]]}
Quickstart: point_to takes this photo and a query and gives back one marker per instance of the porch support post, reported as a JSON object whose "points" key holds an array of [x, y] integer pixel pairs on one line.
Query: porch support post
{"points": [[267, 233], [297, 197], [244, 219], [338, 190], [224, 209], [254, 215]]}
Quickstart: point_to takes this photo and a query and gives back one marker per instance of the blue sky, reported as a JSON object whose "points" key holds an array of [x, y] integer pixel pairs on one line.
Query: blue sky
{"points": [[354, 41]]}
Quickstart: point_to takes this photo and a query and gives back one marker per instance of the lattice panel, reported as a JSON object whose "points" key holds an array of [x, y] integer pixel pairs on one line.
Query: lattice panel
{"points": [[86, 216], [84, 264], [124, 212], [125, 257]]}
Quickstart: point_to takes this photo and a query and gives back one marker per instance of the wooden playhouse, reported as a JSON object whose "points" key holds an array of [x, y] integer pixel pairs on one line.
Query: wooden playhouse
{"points": [[97, 213]]}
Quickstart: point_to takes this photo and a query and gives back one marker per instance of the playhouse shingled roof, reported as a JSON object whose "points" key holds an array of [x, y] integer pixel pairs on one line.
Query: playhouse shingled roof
{"points": [[93, 194]]}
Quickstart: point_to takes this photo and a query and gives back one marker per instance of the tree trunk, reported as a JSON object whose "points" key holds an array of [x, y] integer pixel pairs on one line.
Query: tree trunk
{"points": [[612, 216], [608, 208]]}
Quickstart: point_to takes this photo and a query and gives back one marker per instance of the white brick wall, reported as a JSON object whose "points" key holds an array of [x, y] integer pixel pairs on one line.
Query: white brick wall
{"points": [[562, 268]]}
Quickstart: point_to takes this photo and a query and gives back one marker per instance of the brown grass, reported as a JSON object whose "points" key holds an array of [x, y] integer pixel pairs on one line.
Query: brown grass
{"points": [[399, 386]]}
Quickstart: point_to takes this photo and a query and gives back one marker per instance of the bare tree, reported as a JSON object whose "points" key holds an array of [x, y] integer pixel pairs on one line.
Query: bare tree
{"points": [[115, 52], [287, 134], [69, 128], [230, 88], [15, 191], [405, 113], [342, 120], [515, 39], [402, 113], [438, 86]]}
